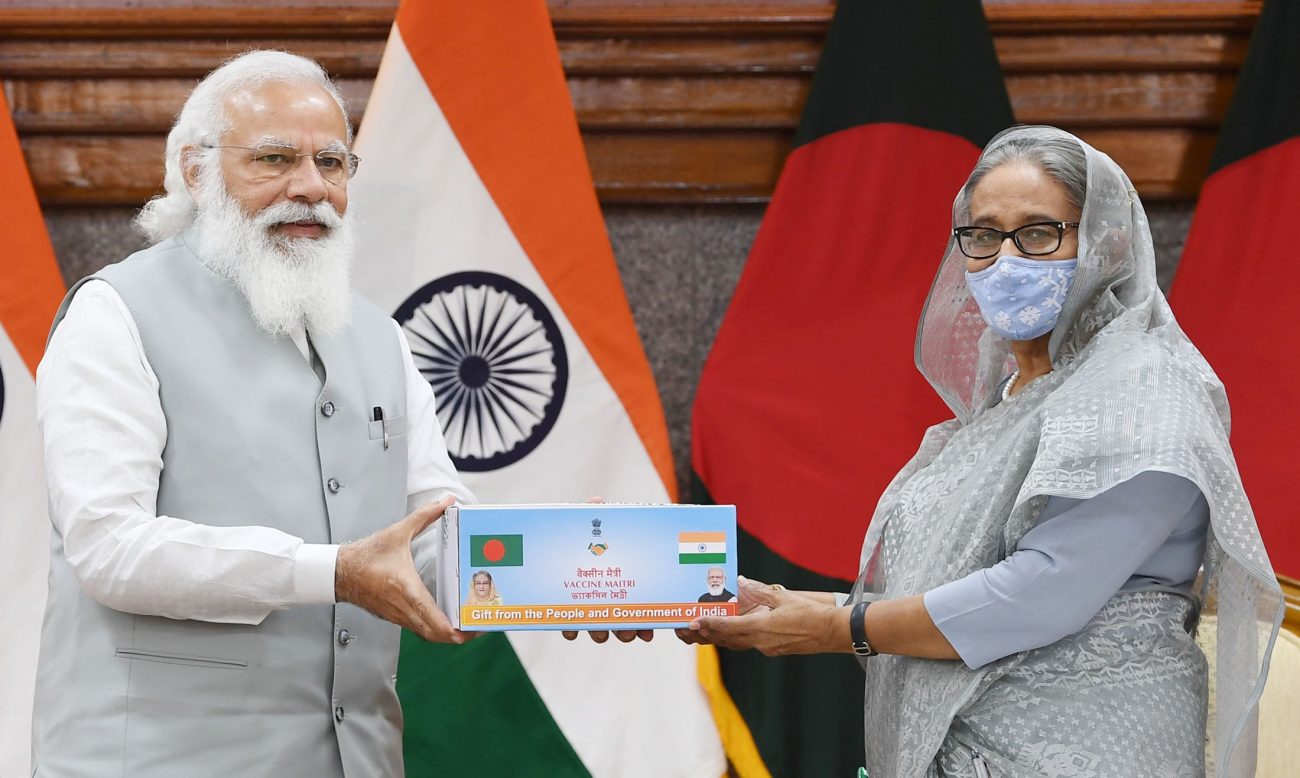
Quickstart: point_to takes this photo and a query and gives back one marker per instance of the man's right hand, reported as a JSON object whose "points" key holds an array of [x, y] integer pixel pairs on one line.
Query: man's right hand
{"points": [[378, 573]]}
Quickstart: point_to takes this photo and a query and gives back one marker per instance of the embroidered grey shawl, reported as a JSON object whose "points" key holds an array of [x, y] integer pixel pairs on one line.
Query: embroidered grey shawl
{"points": [[1128, 393]]}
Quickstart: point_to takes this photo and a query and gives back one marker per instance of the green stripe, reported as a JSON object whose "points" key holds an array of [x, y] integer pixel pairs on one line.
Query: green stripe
{"points": [[927, 63], [471, 710], [700, 559], [805, 712], [1265, 107]]}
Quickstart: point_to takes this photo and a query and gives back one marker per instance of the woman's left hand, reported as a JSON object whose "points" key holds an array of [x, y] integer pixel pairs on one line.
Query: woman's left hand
{"points": [[780, 623], [601, 635]]}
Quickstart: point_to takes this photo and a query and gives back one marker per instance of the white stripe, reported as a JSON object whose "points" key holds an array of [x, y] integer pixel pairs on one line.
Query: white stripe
{"points": [[701, 548], [593, 450], [645, 713], [24, 558]]}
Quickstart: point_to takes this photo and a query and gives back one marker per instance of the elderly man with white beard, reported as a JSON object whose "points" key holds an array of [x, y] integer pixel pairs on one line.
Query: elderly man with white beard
{"points": [[232, 439]]}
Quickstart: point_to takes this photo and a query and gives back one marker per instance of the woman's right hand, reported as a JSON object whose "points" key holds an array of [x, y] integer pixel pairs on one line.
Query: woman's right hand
{"points": [[780, 622], [745, 603]]}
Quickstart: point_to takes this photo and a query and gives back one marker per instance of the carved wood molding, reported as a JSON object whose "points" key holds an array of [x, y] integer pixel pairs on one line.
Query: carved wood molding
{"points": [[1021, 18], [1291, 591], [1106, 52], [678, 102], [613, 18]]}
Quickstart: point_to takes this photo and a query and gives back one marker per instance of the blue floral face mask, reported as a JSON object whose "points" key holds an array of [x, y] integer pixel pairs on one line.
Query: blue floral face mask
{"points": [[1021, 298]]}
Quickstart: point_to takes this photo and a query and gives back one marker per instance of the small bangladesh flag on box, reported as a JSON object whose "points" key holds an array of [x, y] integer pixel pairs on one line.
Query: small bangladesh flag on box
{"points": [[496, 550], [700, 548]]}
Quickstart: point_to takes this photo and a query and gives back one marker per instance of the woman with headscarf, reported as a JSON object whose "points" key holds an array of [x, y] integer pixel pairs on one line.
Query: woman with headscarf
{"points": [[1027, 593], [482, 589]]}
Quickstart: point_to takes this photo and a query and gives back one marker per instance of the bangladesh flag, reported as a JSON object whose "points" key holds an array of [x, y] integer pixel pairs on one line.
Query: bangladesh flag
{"points": [[810, 401], [1234, 292], [496, 550]]}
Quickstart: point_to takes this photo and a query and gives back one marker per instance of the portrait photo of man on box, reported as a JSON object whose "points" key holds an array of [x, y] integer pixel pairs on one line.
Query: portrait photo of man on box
{"points": [[717, 579]]}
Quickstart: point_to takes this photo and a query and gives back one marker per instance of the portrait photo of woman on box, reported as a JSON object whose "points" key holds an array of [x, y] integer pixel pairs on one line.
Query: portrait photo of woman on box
{"points": [[482, 590]]}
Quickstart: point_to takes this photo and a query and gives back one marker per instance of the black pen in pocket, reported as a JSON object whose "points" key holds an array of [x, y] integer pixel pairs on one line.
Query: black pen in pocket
{"points": [[379, 417]]}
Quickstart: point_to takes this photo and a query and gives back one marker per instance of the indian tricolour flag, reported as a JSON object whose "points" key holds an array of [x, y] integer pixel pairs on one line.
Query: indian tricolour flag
{"points": [[30, 291], [481, 233], [699, 548]]}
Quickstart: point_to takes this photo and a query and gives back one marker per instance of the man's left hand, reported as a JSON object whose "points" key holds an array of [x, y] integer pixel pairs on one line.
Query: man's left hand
{"points": [[601, 635], [378, 574]]}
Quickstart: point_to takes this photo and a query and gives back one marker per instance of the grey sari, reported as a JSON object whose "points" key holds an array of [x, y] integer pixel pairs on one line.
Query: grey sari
{"points": [[1127, 695]]}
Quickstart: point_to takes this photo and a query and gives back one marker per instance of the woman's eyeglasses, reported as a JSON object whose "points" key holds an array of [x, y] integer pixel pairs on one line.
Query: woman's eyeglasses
{"points": [[1033, 239]]}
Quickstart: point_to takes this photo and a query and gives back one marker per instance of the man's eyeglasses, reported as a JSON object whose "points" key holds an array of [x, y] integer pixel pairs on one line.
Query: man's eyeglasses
{"points": [[267, 162], [1033, 239]]}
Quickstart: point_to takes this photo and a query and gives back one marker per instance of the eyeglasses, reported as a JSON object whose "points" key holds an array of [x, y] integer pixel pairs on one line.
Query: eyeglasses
{"points": [[1033, 239], [267, 162]]}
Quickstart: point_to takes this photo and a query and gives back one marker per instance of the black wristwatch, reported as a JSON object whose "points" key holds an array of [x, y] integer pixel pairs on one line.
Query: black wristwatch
{"points": [[858, 630]]}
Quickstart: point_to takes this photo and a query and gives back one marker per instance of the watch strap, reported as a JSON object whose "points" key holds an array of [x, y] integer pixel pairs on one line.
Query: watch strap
{"points": [[858, 630]]}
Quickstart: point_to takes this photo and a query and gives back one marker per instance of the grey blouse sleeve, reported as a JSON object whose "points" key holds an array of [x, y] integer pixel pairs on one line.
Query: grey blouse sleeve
{"points": [[1065, 569]]}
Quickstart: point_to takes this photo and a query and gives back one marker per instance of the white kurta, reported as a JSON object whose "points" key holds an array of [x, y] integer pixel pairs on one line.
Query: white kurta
{"points": [[103, 470]]}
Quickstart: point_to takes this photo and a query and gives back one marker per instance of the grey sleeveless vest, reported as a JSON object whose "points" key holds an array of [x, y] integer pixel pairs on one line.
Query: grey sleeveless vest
{"points": [[253, 437]]}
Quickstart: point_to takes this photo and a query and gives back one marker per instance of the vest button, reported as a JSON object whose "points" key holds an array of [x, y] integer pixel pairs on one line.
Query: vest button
{"points": [[333, 485], [327, 409], [345, 637], [338, 714]]}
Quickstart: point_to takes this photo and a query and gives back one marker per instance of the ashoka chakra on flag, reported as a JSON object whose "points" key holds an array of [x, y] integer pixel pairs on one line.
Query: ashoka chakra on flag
{"points": [[698, 548], [496, 360]]}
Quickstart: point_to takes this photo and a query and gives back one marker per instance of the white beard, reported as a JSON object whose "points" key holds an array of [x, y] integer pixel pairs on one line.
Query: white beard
{"points": [[289, 282], [715, 590]]}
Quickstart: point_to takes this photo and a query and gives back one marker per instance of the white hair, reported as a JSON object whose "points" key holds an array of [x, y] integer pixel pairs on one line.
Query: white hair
{"points": [[1062, 159], [287, 281], [203, 119]]}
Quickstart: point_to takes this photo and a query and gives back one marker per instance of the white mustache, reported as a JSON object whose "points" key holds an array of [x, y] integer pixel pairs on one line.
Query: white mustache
{"points": [[286, 213]]}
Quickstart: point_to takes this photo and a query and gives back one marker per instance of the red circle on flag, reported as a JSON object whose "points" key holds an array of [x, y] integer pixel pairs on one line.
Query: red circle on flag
{"points": [[494, 550]]}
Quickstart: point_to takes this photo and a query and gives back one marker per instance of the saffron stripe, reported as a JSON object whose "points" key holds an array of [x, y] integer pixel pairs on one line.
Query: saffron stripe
{"points": [[701, 537], [33, 286]]}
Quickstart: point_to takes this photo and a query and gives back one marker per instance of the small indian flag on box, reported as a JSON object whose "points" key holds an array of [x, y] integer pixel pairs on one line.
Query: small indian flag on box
{"points": [[701, 548]]}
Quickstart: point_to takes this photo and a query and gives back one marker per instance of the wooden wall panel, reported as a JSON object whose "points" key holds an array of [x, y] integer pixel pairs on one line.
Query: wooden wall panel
{"points": [[115, 106], [1096, 99], [678, 101], [95, 170], [1291, 591], [71, 57]]}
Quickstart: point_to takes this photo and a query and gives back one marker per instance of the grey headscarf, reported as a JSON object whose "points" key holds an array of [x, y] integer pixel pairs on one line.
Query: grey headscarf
{"points": [[1128, 393]]}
